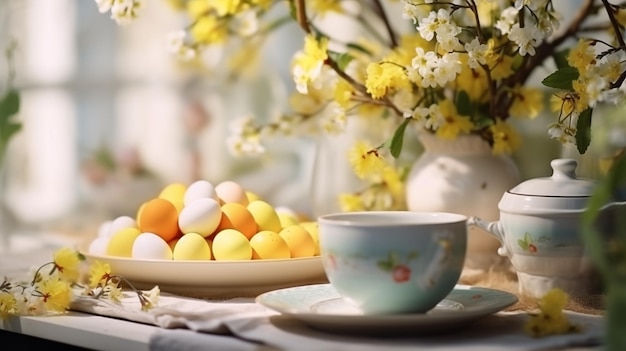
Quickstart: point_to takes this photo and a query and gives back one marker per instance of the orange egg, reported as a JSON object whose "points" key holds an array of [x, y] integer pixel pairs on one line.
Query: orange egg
{"points": [[159, 216], [237, 216]]}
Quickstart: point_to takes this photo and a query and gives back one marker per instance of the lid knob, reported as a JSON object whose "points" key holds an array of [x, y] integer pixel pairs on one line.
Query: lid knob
{"points": [[563, 169]]}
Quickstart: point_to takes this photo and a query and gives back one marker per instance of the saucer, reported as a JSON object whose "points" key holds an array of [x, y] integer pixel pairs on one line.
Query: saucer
{"points": [[320, 307]]}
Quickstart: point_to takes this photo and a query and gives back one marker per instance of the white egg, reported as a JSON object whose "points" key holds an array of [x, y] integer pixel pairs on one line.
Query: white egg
{"points": [[230, 191], [200, 189], [149, 246], [104, 230], [286, 210], [99, 246], [201, 216], [121, 222]]}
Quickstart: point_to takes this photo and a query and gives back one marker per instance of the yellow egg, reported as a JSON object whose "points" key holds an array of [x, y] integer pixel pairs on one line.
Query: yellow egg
{"points": [[267, 245], [237, 216], [265, 216], [121, 243], [286, 219], [192, 246], [231, 244], [252, 196], [313, 229], [300, 242], [174, 193], [159, 216]]}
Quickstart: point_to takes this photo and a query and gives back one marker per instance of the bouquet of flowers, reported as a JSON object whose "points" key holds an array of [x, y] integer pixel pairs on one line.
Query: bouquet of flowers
{"points": [[451, 68]]}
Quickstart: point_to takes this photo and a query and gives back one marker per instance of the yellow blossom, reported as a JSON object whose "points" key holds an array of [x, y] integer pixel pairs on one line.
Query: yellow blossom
{"points": [[113, 291], [99, 273], [365, 159], [505, 138], [178, 5], [454, 124], [8, 304], [473, 81], [550, 320], [226, 7], [405, 51], [393, 181], [383, 77], [209, 30], [580, 88], [197, 8], [581, 56], [528, 102], [620, 15], [553, 302], [56, 294], [325, 6], [350, 202], [343, 93], [563, 103], [307, 64], [66, 261]]}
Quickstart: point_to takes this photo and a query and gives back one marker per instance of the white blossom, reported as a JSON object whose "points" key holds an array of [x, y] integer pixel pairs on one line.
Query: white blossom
{"points": [[245, 23], [124, 11], [563, 133], [526, 38], [507, 19], [476, 53], [449, 67], [177, 46]]}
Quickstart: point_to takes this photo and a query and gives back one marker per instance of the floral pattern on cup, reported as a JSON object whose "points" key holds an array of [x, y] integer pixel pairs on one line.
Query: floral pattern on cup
{"points": [[398, 266]]}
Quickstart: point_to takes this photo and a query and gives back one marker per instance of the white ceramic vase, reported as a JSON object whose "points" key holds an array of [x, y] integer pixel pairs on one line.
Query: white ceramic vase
{"points": [[463, 176]]}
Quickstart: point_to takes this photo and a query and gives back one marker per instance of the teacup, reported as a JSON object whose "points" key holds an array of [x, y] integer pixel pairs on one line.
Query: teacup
{"points": [[392, 262]]}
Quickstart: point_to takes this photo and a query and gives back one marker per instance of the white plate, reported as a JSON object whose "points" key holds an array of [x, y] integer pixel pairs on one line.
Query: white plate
{"points": [[216, 279], [320, 307]]}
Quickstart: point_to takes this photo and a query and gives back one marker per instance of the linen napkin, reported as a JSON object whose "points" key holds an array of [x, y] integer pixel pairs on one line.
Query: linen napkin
{"points": [[192, 324]]}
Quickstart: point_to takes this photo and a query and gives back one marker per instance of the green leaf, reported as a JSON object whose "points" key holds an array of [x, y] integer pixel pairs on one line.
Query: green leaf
{"points": [[583, 131], [527, 238], [560, 58], [292, 10], [342, 59], [359, 48], [562, 78], [394, 258], [6, 132], [384, 265], [593, 239], [397, 140], [463, 103], [9, 105], [522, 244]]}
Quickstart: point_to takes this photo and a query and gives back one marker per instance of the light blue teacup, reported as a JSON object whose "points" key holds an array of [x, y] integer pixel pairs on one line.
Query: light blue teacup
{"points": [[392, 262]]}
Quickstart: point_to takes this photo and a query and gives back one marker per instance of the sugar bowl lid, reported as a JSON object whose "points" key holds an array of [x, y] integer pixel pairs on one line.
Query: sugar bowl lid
{"points": [[562, 183]]}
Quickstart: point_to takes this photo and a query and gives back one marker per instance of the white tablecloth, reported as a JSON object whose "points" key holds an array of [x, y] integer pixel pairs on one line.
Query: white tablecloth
{"points": [[191, 324]]}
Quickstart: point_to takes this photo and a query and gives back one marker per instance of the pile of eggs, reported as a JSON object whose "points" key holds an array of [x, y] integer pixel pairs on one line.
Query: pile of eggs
{"points": [[206, 222]]}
